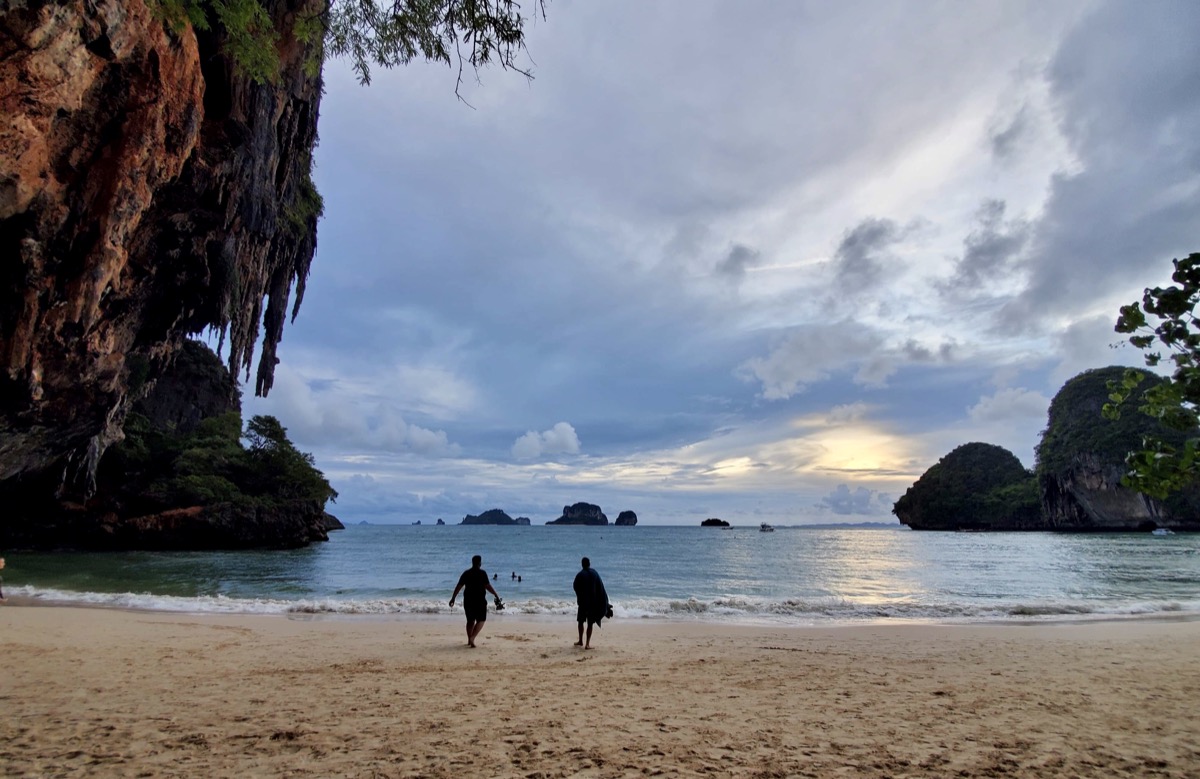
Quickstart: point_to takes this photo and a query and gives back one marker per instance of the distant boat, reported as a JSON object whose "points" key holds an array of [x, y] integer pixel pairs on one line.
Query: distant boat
{"points": [[765, 528], [1162, 531]]}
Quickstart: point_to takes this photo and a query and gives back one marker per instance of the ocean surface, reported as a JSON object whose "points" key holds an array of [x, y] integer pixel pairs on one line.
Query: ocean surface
{"points": [[793, 576]]}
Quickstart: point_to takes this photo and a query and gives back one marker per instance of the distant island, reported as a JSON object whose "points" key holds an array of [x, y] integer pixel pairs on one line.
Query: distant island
{"points": [[581, 514], [714, 522], [577, 514], [493, 517]]}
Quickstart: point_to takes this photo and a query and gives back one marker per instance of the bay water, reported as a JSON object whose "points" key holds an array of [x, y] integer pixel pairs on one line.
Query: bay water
{"points": [[794, 576]]}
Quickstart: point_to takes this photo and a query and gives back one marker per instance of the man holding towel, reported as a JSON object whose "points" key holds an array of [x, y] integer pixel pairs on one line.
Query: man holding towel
{"points": [[592, 599]]}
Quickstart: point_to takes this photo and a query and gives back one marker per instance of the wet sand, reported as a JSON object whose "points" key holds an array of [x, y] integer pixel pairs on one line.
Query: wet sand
{"points": [[108, 693]]}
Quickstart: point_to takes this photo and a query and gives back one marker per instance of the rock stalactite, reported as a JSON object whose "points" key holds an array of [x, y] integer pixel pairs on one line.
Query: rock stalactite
{"points": [[148, 191]]}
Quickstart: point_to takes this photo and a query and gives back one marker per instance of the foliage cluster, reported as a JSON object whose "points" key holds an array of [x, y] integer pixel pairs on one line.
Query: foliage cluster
{"points": [[1169, 459], [976, 484], [307, 206], [1075, 423], [154, 469], [465, 33]]}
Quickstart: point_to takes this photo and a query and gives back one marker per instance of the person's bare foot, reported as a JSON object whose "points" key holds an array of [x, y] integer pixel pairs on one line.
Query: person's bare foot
{"points": [[588, 646], [578, 643], [472, 646]]}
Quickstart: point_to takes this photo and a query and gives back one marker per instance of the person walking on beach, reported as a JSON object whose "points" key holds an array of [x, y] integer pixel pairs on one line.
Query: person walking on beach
{"points": [[592, 600], [1, 581], [475, 581]]}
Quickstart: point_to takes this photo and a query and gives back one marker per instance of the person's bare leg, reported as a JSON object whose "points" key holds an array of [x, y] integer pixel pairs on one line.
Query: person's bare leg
{"points": [[588, 645], [580, 641], [477, 631], [471, 632]]}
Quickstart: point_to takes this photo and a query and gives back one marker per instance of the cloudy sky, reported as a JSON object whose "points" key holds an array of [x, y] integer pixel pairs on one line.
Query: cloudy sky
{"points": [[755, 260]]}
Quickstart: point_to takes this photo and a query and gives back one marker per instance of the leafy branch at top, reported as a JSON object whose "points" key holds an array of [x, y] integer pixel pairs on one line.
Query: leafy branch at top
{"points": [[462, 33], [1161, 468]]}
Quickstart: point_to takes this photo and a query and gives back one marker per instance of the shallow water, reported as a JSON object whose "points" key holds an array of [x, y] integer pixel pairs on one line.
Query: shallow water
{"points": [[792, 576]]}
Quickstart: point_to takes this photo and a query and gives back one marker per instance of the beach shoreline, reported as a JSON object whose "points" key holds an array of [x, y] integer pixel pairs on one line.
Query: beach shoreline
{"points": [[113, 692], [697, 618]]}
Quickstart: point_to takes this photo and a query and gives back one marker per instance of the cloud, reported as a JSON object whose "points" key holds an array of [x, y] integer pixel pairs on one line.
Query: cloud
{"points": [[684, 266], [990, 252], [332, 412], [560, 439], [848, 413], [737, 261], [1009, 404], [1092, 343], [858, 261], [1005, 140], [804, 355], [1123, 84], [860, 501]]}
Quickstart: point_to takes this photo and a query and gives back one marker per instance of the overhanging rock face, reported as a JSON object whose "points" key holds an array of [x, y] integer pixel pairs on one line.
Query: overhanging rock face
{"points": [[1090, 497], [148, 191]]}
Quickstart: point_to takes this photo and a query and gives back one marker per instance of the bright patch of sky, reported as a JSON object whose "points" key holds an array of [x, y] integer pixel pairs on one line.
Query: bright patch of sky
{"points": [[765, 260]]}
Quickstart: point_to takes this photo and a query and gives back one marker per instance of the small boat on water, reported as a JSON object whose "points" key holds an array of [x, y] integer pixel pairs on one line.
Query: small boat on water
{"points": [[766, 528], [1162, 531]]}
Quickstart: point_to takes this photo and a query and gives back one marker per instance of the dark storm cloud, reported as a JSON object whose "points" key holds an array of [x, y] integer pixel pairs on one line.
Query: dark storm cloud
{"points": [[1125, 85], [917, 352], [859, 260], [990, 251], [1006, 140], [737, 261]]}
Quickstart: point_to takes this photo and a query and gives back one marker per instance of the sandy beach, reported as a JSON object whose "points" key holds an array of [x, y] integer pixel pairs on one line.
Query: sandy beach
{"points": [[95, 692]]}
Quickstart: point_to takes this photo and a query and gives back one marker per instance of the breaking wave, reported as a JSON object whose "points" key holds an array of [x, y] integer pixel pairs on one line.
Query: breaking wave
{"points": [[730, 609]]}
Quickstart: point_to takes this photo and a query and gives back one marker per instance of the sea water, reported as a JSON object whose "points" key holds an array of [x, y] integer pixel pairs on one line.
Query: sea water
{"points": [[794, 576]]}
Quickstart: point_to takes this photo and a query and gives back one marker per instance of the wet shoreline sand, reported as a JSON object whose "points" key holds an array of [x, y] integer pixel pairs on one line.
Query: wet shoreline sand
{"points": [[105, 692]]}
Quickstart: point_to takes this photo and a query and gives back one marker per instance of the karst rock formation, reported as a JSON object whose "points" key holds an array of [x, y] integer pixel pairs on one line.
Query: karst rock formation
{"points": [[149, 191]]}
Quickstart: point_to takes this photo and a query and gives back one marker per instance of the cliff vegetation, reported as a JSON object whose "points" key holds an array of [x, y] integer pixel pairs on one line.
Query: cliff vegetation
{"points": [[156, 183], [581, 514], [976, 486], [187, 475], [1078, 482]]}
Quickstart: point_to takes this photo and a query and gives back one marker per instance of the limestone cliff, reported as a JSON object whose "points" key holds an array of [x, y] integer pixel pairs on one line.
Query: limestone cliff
{"points": [[581, 514], [148, 191], [1081, 459], [1088, 496], [489, 517], [180, 479], [1077, 486]]}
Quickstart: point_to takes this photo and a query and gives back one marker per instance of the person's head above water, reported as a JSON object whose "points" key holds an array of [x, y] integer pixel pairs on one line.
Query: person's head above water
{"points": [[476, 561], [586, 563]]}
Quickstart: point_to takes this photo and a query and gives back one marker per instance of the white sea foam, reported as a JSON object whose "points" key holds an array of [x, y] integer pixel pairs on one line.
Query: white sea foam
{"points": [[820, 611]]}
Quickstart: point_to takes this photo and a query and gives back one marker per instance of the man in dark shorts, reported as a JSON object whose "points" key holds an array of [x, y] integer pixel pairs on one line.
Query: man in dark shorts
{"points": [[477, 585], [592, 599]]}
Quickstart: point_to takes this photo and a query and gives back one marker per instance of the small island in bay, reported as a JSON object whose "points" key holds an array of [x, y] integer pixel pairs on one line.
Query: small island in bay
{"points": [[493, 517], [714, 522], [581, 514], [626, 519]]}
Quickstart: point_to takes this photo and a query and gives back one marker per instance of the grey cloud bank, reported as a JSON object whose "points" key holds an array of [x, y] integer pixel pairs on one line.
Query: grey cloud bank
{"points": [[766, 261]]}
